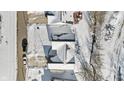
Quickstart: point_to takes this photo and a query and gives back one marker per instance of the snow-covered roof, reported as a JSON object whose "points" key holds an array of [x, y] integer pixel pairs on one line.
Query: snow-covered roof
{"points": [[53, 16], [60, 32], [37, 38], [64, 52]]}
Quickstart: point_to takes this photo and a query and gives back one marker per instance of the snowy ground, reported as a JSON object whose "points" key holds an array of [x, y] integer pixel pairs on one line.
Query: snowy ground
{"points": [[8, 46]]}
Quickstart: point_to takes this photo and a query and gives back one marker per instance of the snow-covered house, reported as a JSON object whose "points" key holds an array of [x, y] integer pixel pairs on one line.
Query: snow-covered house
{"points": [[55, 42]]}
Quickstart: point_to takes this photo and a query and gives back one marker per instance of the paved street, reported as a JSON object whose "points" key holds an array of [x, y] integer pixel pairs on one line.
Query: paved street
{"points": [[8, 63]]}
